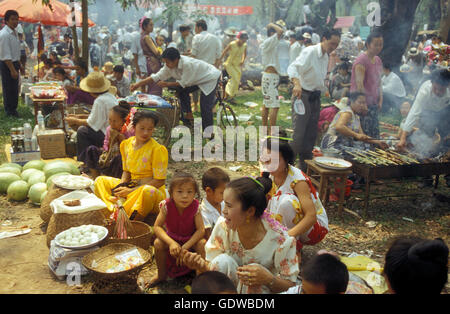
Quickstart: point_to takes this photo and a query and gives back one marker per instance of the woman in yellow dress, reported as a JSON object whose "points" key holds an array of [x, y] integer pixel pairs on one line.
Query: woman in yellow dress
{"points": [[145, 164], [237, 50]]}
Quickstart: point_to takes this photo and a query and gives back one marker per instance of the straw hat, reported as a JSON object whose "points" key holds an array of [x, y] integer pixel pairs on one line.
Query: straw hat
{"points": [[413, 52], [108, 67], [95, 82], [307, 35], [230, 31]]}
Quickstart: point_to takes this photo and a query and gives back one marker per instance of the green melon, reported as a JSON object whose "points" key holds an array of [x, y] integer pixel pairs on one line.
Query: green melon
{"points": [[42, 196], [34, 164], [18, 190], [11, 169], [11, 164], [6, 178], [36, 178], [75, 171], [50, 180], [26, 174], [56, 167], [36, 191]]}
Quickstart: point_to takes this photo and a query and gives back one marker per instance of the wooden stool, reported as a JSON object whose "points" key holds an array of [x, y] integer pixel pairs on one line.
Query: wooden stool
{"points": [[321, 177]]}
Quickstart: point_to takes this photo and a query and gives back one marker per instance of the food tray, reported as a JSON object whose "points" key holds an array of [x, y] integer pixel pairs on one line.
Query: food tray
{"points": [[85, 246], [332, 163], [78, 182]]}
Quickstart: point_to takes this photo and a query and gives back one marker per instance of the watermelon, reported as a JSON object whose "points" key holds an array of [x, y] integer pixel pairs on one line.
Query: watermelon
{"points": [[75, 171], [55, 167], [42, 196], [36, 191], [26, 174], [34, 164], [11, 164], [36, 178], [50, 180], [18, 190], [6, 178], [11, 169]]}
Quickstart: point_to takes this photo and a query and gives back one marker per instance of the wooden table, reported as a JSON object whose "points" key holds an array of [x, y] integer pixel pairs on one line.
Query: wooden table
{"points": [[38, 102], [321, 178]]}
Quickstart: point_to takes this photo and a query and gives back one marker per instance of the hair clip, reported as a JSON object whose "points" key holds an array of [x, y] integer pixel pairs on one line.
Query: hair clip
{"points": [[257, 182], [280, 138]]}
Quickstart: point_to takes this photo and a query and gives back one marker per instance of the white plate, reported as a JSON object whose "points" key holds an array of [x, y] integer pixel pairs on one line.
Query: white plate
{"points": [[332, 163], [79, 182], [85, 246]]}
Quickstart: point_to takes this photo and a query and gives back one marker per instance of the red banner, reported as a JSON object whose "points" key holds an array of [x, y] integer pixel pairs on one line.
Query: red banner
{"points": [[223, 9]]}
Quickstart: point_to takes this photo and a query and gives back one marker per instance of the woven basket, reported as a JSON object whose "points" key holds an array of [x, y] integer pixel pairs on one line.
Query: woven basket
{"points": [[172, 115], [53, 193], [142, 236], [60, 222], [104, 256]]}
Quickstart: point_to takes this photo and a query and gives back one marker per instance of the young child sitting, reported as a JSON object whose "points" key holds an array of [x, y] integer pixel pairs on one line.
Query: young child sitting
{"points": [[213, 282], [404, 110], [214, 181], [415, 265], [107, 160], [179, 226]]}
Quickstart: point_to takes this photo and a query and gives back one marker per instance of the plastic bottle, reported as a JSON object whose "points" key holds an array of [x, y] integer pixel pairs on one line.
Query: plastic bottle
{"points": [[28, 131], [34, 143], [299, 107], [40, 120]]}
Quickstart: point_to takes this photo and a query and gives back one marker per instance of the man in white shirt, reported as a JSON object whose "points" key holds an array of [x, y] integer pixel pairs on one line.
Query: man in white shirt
{"points": [[206, 46], [184, 43], [432, 99], [91, 131], [271, 75], [308, 73], [190, 75], [10, 63], [393, 89]]}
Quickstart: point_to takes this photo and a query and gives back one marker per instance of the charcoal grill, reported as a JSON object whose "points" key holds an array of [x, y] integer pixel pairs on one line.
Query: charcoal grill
{"points": [[372, 173]]}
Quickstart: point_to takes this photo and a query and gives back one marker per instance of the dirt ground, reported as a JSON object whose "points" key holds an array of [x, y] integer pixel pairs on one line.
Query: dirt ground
{"points": [[23, 259]]}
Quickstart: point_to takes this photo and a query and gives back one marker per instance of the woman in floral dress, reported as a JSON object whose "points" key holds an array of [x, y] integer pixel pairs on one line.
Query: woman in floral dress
{"points": [[294, 201], [252, 249]]}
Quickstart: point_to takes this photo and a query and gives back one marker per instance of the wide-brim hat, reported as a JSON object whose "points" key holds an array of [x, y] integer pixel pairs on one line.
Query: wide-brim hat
{"points": [[307, 35], [108, 66], [95, 83], [281, 24], [230, 31], [413, 52]]}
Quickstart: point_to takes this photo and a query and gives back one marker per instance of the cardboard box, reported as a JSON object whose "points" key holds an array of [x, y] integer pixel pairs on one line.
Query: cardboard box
{"points": [[52, 143], [24, 157]]}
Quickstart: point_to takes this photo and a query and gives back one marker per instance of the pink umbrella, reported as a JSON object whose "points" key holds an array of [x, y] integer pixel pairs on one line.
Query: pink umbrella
{"points": [[32, 11]]}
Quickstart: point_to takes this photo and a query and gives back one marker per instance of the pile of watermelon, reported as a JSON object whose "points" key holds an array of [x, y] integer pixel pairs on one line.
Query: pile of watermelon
{"points": [[33, 179]]}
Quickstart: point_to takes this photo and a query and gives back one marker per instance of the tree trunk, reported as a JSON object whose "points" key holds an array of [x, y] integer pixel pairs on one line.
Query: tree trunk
{"points": [[445, 21], [397, 19], [85, 29]]}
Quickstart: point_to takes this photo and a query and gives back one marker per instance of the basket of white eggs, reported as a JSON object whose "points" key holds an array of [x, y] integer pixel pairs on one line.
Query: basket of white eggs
{"points": [[81, 237]]}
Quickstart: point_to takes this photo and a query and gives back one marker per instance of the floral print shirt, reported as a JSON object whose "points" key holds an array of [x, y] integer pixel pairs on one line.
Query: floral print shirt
{"points": [[276, 252]]}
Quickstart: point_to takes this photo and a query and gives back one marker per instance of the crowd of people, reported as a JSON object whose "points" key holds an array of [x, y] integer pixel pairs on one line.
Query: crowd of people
{"points": [[252, 230]]}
